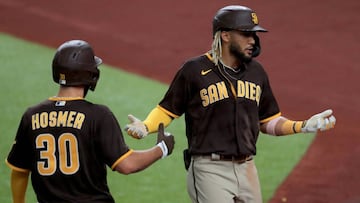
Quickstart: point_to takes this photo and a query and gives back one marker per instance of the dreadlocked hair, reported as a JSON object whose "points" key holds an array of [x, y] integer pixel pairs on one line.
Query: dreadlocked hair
{"points": [[216, 50]]}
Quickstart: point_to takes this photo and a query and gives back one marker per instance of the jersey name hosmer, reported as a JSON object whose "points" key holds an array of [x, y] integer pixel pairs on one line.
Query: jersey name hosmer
{"points": [[218, 91], [70, 119]]}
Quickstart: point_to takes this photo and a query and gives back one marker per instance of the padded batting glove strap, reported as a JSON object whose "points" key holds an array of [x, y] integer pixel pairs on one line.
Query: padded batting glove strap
{"points": [[136, 128], [163, 148], [165, 141], [321, 121]]}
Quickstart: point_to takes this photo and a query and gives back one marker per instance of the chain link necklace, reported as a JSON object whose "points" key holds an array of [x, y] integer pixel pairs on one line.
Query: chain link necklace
{"points": [[231, 72]]}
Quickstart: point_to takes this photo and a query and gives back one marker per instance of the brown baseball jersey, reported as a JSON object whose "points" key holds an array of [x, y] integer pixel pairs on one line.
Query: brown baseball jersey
{"points": [[222, 107], [66, 145]]}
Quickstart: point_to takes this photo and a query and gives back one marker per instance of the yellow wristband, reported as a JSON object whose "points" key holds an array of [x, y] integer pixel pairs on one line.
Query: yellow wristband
{"points": [[290, 127]]}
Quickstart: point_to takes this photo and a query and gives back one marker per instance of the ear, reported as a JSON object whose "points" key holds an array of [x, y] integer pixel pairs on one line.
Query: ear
{"points": [[225, 36]]}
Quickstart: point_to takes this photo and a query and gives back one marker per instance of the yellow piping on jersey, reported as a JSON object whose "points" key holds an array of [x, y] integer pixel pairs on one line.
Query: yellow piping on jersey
{"points": [[168, 112], [209, 56], [127, 154], [65, 98], [270, 118], [16, 168]]}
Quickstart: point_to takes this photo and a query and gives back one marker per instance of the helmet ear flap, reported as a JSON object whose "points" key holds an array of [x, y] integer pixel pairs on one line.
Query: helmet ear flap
{"points": [[95, 78], [256, 48]]}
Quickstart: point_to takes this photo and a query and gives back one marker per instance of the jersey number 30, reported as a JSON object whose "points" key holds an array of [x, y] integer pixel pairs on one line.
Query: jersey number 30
{"points": [[68, 154]]}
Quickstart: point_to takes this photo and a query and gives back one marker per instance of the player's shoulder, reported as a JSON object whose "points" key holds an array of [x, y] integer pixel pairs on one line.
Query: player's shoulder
{"points": [[203, 58], [102, 107], [35, 107], [196, 63], [63, 105], [96, 107]]}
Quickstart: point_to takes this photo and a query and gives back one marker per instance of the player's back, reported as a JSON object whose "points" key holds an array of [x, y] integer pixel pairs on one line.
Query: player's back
{"points": [[68, 164]]}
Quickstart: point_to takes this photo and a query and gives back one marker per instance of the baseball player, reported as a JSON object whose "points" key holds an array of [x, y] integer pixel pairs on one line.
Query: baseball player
{"points": [[65, 142], [226, 97]]}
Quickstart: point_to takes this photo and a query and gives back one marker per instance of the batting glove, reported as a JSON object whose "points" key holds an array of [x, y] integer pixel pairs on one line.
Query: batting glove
{"points": [[136, 128], [165, 141], [321, 121]]}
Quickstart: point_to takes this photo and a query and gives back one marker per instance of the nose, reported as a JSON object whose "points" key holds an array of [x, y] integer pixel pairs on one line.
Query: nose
{"points": [[251, 37], [252, 40]]}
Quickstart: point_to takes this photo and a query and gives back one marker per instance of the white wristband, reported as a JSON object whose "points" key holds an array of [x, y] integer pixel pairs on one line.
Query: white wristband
{"points": [[163, 148]]}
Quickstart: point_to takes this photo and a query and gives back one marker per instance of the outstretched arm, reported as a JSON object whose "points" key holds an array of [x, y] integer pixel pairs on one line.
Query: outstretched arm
{"points": [[139, 129], [139, 160], [283, 126]]}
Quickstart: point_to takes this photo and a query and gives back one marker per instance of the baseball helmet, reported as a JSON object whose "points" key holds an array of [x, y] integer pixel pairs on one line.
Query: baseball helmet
{"points": [[75, 64], [236, 18]]}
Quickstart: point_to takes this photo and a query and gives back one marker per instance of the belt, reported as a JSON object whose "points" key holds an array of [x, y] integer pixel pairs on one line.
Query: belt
{"points": [[220, 157]]}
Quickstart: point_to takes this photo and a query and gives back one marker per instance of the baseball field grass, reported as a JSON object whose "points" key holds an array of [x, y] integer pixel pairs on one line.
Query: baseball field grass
{"points": [[26, 80]]}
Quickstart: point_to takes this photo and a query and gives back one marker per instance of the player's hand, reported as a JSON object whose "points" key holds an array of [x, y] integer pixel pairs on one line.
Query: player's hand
{"points": [[321, 121], [165, 141], [136, 128]]}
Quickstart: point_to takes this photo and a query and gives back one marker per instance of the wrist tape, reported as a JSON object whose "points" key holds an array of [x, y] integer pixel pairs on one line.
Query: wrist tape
{"points": [[163, 148], [292, 126]]}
